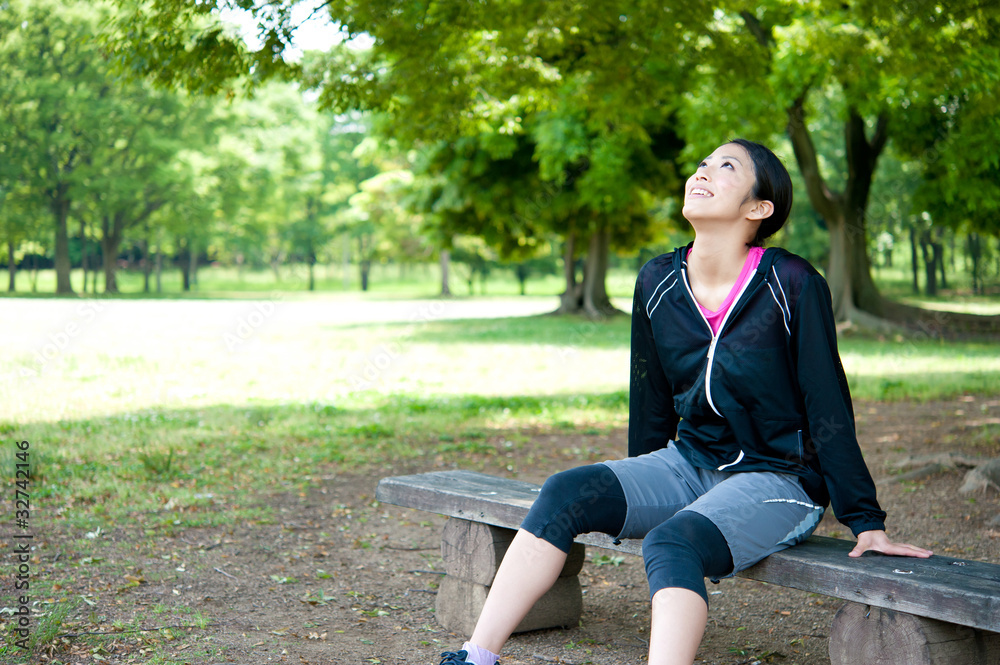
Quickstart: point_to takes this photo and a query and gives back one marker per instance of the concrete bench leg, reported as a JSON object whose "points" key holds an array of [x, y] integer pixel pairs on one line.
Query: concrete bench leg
{"points": [[876, 636], [472, 552]]}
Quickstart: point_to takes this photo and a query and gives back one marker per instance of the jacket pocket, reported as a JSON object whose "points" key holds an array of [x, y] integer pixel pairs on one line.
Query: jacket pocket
{"points": [[787, 445]]}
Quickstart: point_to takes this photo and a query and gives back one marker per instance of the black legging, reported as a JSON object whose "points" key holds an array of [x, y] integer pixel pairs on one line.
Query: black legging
{"points": [[680, 552]]}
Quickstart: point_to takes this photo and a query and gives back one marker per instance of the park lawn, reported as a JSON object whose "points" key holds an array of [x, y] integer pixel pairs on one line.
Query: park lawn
{"points": [[167, 423], [119, 425]]}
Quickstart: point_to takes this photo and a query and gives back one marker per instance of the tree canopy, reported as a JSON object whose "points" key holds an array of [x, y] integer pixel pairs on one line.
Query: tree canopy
{"points": [[595, 109], [487, 129]]}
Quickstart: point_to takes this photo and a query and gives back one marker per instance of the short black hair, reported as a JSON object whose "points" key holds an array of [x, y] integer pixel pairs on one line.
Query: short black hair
{"points": [[771, 183]]}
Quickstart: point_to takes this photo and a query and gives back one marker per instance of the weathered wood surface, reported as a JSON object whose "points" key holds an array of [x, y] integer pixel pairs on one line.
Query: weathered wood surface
{"points": [[473, 551], [943, 588], [877, 636], [478, 497], [459, 603]]}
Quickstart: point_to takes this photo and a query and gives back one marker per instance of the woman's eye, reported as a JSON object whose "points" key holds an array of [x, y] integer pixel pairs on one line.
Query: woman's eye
{"points": [[701, 164], [729, 164]]}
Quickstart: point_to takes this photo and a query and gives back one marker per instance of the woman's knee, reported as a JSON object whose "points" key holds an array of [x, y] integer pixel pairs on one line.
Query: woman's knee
{"points": [[589, 481], [579, 500], [683, 550]]}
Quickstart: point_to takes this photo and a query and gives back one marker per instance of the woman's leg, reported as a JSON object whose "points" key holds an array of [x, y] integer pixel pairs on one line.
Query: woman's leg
{"points": [[679, 554], [733, 525], [679, 617], [572, 502], [529, 568]]}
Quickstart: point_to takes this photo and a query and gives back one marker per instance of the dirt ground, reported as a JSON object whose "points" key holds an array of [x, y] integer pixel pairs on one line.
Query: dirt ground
{"points": [[340, 578]]}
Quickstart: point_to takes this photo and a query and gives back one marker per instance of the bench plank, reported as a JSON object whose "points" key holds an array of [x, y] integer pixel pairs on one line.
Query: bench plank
{"points": [[943, 588]]}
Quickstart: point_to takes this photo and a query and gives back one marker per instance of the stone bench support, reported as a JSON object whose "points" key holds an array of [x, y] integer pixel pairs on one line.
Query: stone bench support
{"points": [[472, 552]]}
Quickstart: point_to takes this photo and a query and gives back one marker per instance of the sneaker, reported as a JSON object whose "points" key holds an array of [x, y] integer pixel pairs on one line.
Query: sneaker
{"points": [[455, 658]]}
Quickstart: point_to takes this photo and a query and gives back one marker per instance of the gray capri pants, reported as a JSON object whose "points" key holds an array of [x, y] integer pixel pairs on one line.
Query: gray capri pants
{"points": [[758, 512]]}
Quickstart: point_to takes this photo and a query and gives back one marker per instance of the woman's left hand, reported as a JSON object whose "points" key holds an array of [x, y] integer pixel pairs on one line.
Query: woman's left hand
{"points": [[879, 542]]}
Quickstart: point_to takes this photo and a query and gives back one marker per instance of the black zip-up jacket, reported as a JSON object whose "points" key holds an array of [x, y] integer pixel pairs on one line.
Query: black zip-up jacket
{"points": [[768, 393]]}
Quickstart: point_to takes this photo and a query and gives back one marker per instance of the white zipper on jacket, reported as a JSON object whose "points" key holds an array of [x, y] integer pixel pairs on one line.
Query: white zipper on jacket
{"points": [[712, 345]]}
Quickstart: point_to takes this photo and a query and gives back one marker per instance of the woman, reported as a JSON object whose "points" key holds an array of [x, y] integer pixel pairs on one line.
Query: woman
{"points": [[741, 429]]}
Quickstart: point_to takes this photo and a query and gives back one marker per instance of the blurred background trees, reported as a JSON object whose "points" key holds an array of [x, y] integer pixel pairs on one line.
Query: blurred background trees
{"points": [[537, 138]]}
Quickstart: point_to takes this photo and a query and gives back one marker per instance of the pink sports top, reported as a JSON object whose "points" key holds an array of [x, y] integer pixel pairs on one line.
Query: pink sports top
{"points": [[715, 318]]}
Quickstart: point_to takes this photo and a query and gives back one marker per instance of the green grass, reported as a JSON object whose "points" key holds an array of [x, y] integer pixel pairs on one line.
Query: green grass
{"points": [[385, 281], [161, 424], [117, 467], [920, 369], [896, 283], [160, 416]]}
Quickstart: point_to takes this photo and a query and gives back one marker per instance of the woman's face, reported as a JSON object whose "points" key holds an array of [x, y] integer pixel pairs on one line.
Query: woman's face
{"points": [[721, 187]]}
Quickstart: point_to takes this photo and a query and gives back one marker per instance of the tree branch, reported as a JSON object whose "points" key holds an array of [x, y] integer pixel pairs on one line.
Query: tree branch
{"points": [[763, 37], [862, 155], [881, 135], [822, 198]]}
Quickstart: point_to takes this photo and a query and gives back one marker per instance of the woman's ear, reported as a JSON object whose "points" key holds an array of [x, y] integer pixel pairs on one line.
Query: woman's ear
{"points": [[760, 210]]}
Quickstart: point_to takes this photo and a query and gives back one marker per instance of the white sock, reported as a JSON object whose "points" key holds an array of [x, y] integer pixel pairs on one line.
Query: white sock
{"points": [[479, 655]]}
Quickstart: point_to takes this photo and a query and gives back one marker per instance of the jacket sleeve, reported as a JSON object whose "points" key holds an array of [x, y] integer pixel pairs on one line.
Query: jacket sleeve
{"points": [[652, 421], [827, 400]]}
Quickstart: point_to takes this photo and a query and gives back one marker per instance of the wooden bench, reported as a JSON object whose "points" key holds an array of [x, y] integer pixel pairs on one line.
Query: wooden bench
{"points": [[940, 610]]}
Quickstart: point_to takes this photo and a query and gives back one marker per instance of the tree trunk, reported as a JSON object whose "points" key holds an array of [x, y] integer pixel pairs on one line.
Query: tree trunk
{"points": [[864, 293], [939, 253], [975, 253], [914, 260], [185, 265], [570, 300], [312, 275], [366, 267], [11, 266], [83, 255], [159, 269], [596, 304], [849, 273], [927, 248], [838, 273], [34, 273], [60, 209], [193, 264], [110, 280], [365, 261], [146, 263], [589, 296], [445, 265], [110, 241]]}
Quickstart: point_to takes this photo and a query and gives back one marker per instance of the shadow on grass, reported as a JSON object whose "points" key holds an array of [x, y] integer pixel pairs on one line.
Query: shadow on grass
{"points": [[132, 461]]}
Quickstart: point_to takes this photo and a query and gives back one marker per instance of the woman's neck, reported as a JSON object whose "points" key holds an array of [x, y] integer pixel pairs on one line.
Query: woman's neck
{"points": [[716, 260]]}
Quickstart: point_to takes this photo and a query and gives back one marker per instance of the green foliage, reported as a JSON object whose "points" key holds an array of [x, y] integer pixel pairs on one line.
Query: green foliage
{"points": [[523, 128]]}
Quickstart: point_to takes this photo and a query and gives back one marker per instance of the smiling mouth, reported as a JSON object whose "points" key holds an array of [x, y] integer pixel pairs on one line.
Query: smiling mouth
{"points": [[698, 191]]}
